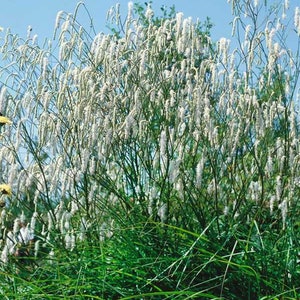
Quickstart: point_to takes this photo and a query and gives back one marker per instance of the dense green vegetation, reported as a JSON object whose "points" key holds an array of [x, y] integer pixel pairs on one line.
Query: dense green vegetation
{"points": [[152, 162]]}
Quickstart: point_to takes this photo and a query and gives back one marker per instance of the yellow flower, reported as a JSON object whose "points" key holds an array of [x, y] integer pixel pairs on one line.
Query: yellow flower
{"points": [[5, 189], [5, 120]]}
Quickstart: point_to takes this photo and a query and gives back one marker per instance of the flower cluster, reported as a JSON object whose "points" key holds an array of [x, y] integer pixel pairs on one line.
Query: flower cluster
{"points": [[154, 123]]}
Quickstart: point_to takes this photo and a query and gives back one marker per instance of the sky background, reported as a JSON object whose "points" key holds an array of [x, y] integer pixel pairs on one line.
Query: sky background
{"points": [[18, 15], [41, 15]]}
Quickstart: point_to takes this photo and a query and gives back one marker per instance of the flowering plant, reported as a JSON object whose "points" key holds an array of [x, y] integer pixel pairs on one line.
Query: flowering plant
{"points": [[154, 137]]}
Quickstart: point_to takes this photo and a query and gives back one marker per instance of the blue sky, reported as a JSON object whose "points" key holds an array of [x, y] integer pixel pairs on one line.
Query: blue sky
{"points": [[41, 15], [18, 15]]}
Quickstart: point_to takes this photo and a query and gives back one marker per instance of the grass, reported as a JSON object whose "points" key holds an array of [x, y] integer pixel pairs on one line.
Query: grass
{"points": [[165, 262], [147, 169]]}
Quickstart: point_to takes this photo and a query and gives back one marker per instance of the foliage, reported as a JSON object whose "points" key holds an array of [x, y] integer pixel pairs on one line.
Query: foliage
{"points": [[151, 162]]}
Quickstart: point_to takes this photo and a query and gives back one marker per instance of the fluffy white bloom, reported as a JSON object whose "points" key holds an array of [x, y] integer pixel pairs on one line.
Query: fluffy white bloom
{"points": [[58, 18], [149, 12], [297, 19], [25, 235], [4, 254], [283, 206], [162, 212], [10, 243]]}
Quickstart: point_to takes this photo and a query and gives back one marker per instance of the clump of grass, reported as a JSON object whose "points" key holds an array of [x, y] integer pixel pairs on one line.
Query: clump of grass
{"points": [[151, 162]]}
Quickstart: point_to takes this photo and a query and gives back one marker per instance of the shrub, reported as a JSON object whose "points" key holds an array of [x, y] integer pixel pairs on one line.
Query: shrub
{"points": [[151, 161]]}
